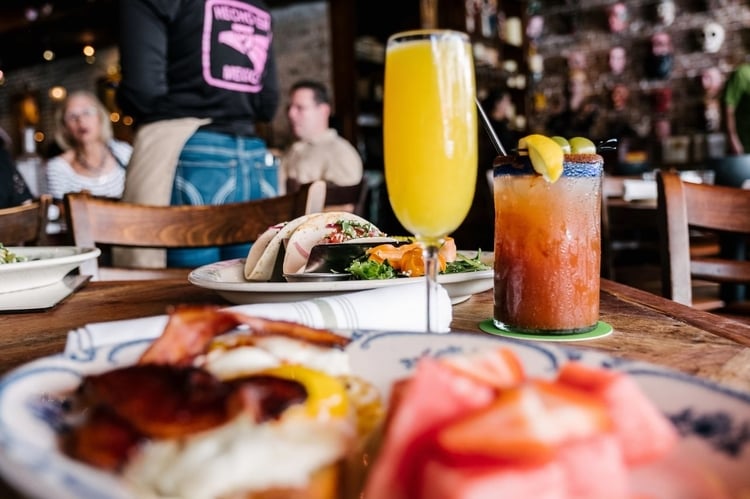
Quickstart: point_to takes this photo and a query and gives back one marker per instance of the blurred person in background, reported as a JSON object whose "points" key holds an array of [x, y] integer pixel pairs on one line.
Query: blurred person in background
{"points": [[13, 188], [737, 107], [196, 80], [319, 152], [92, 160]]}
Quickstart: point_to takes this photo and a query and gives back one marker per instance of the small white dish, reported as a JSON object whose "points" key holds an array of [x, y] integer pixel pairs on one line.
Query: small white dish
{"points": [[42, 298], [45, 265], [228, 280], [712, 420]]}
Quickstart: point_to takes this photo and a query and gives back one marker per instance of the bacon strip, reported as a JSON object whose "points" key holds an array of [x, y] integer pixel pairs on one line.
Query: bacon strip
{"points": [[190, 330], [188, 333], [267, 327]]}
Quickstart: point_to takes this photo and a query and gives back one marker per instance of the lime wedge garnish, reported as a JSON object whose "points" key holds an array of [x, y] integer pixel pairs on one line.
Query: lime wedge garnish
{"points": [[563, 143], [582, 145]]}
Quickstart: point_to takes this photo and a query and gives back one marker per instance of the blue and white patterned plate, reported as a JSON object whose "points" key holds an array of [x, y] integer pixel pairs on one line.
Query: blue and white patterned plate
{"points": [[714, 421]]}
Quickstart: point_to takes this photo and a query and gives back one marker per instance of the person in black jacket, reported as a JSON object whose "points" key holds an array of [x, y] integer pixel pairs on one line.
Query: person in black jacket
{"points": [[197, 75], [13, 188]]}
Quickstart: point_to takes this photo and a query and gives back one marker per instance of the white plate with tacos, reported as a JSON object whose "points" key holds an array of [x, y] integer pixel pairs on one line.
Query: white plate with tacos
{"points": [[228, 280], [287, 249]]}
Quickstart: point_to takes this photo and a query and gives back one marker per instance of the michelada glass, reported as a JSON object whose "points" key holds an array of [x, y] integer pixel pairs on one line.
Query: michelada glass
{"points": [[547, 246], [430, 139]]}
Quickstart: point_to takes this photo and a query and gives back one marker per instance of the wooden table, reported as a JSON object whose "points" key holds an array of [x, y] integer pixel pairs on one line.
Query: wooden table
{"points": [[646, 327]]}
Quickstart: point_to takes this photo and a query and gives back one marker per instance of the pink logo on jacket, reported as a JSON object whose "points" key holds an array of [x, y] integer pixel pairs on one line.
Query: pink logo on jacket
{"points": [[236, 40]]}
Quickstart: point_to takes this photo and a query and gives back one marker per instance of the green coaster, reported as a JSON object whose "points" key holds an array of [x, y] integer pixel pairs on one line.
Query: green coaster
{"points": [[601, 330]]}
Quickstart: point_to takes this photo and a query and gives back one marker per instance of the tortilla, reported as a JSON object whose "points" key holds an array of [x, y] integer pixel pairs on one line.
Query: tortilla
{"points": [[313, 231], [262, 260]]}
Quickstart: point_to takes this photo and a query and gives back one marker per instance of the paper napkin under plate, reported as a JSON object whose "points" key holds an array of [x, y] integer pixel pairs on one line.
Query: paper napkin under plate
{"points": [[396, 308]]}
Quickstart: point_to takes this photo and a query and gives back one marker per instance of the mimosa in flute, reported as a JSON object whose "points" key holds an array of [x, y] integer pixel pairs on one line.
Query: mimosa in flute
{"points": [[548, 247], [430, 137]]}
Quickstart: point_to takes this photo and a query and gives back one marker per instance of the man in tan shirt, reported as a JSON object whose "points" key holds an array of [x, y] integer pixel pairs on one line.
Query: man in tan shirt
{"points": [[319, 153]]}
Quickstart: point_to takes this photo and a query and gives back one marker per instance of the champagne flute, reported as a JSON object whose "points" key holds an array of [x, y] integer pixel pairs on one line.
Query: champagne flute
{"points": [[430, 139]]}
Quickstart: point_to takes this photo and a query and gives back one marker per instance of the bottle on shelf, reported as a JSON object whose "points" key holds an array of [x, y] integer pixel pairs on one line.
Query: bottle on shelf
{"points": [[31, 165]]}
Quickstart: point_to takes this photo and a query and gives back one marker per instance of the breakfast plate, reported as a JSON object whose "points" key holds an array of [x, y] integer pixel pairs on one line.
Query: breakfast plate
{"points": [[713, 421], [227, 279], [45, 266]]}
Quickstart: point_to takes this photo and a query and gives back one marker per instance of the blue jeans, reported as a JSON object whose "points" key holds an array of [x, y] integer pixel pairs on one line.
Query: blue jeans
{"points": [[217, 168]]}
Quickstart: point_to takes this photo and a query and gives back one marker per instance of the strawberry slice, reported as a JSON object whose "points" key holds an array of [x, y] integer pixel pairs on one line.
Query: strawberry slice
{"points": [[500, 367], [526, 424]]}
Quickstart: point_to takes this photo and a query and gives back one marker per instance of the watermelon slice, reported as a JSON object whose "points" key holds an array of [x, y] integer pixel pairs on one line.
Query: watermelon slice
{"points": [[443, 481], [594, 468], [434, 396], [645, 434]]}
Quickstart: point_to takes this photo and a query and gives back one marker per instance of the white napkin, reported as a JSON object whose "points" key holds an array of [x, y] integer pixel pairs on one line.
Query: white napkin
{"points": [[395, 308], [639, 189]]}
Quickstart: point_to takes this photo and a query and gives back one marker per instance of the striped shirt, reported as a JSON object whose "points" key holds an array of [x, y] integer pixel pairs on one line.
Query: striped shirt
{"points": [[62, 178]]}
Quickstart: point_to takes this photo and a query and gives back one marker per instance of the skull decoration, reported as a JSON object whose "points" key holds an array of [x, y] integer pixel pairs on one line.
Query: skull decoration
{"points": [[665, 12], [617, 17], [713, 37], [617, 60]]}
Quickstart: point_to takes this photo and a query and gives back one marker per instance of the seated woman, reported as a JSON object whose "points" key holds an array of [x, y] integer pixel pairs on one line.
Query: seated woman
{"points": [[92, 159]]}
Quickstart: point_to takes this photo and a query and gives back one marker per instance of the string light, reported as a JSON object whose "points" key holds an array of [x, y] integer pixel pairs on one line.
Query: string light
{"points": [[57, 93], [48, 55]]}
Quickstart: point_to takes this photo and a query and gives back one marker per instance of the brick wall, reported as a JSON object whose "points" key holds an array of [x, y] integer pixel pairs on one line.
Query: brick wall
{"points": [[301, 37], [582, 27]]}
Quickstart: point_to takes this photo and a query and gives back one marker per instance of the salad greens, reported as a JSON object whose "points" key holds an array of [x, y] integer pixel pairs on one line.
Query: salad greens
{"points": [[7, 256], [465, 264], [362, 268], [370, 269]]}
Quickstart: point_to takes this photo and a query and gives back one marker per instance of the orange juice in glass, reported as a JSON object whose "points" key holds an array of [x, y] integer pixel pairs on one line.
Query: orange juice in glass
{"points": [[430, 138], [430, 131], [547, 246]]}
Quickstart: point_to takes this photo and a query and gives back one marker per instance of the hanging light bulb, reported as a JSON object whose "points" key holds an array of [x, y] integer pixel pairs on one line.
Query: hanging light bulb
{"points": [[57, 93]]}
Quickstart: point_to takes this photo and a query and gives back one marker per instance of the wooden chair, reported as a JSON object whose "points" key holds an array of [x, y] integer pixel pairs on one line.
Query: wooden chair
{"points": [[96, 221], [684, 207], [26, 224], [351, 198]]}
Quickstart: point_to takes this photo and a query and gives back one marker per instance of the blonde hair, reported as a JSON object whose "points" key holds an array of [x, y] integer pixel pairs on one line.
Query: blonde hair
{"points": [[62, 134]]}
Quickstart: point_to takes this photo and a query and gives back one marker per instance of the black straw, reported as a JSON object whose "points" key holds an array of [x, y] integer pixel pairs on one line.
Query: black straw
{"points": [[490, 131]]}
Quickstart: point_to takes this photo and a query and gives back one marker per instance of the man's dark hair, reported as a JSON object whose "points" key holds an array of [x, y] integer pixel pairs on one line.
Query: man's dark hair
{"points": [[320, 92]]}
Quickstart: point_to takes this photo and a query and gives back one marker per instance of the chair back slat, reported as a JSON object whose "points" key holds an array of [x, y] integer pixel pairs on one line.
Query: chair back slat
{"points": [[717, 270], [97, 221], [26, 224], [731, 214], [351, 198]]}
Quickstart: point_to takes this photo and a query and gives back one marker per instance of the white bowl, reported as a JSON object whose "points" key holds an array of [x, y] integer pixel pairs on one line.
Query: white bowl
{"points": [[46, 265]]}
